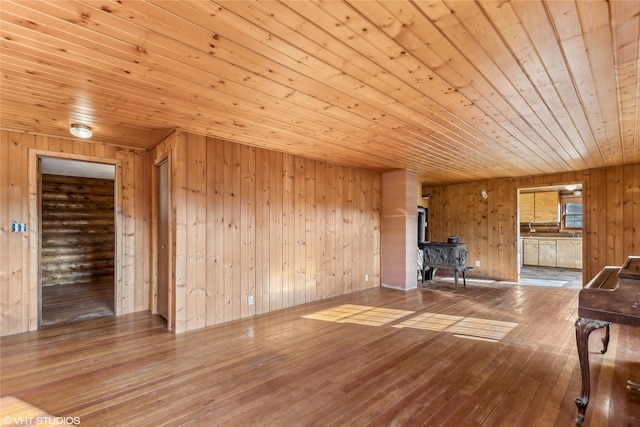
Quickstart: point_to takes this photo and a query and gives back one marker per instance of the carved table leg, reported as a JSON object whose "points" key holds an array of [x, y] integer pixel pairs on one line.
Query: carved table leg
{"points": [[584, 327]]}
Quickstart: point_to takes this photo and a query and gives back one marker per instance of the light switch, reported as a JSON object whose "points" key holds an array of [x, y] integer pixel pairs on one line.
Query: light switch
{"points": [[18, 227]]}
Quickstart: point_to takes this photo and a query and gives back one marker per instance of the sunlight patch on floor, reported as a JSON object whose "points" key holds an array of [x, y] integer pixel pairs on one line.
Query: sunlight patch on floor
{"points": [[430, 321], [359, 314], [482, 328], [460, 326], [464, 327]]}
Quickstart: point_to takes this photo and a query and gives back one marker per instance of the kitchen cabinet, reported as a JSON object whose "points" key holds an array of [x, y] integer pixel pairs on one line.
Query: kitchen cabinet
{"points": [[569, 253], [527, 207], [547, 253], [546, 207], [530, 252], [550, 252], [539, 207]]}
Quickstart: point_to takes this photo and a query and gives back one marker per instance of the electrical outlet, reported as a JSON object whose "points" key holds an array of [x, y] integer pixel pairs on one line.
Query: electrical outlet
{"points": [[477, 263], [250, 299], [366, 277]]}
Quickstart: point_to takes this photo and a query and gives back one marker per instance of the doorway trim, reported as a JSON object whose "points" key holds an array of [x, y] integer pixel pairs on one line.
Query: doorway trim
{"points": [[162, 158], [542, 187], [35, 235]]}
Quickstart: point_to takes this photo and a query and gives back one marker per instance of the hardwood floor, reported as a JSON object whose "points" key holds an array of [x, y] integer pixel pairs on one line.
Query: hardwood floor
{"points": [[551, 276], [75, 302], [283, 369]]}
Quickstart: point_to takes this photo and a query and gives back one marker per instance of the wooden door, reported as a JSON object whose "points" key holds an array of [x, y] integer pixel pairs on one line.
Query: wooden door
{"points": [[163, 241]]}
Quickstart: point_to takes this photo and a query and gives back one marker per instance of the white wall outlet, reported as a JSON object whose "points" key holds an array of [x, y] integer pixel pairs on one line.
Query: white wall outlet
{"points": [[477, 263], [366, 277], [250, 299]]}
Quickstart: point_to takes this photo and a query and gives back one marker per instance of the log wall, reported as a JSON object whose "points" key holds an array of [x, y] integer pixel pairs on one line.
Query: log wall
{"points": [[78, 230], [19, 202], [611, 198], [252, 222]]}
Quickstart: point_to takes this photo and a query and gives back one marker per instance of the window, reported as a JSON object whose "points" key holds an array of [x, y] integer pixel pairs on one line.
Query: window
{"points": [[572, 216]]}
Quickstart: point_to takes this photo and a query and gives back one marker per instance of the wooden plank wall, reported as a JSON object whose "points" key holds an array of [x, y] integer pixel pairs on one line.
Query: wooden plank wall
{"points": [[611, 198], [78, 230], [249, 221], [18, 196]]}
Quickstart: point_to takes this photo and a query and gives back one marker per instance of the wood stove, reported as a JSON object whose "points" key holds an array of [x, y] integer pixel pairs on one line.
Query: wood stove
{"points": [[451, 255]]}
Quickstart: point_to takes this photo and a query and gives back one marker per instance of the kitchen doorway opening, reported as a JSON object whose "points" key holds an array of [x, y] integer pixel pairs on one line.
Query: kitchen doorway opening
{"points": [[549, 231]]}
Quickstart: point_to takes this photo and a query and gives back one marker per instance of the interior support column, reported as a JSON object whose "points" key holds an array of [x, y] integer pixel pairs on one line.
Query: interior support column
{"points": [[399, 230]]}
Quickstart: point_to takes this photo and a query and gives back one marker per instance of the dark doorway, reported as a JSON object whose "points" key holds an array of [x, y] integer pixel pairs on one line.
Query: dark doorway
{"points": [[163, 240], [77, 254]]}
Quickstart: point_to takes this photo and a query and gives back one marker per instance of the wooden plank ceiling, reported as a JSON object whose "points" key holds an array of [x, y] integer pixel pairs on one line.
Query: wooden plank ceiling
{"points": [[455, 90]]}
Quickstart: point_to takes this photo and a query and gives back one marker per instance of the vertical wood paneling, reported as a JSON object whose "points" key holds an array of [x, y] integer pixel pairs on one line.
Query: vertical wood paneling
{"points": [[19, 263], [288, 230], [615, 190], [5, 237], [15, 266], [311, 254], [263, 235], [213, 235], [363, 224], [229, 223], [29, 311], [276, 224], [179, 213], [631, 209], [376, 213], [321, 226], [611, 197], [276, 242], [248, 268], [347, 229], [124, 300], [143, 206], [331, 234], [220, 230], [196, 232], [217, 228], [300, 243], [340, 237], [597, 218]]}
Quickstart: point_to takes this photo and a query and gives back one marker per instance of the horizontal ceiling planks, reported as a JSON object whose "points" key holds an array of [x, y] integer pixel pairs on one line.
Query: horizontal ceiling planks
{"points": [[626, 37], [546, 106], [372, 123], [583, 45], [455, 90], [362, 37]]}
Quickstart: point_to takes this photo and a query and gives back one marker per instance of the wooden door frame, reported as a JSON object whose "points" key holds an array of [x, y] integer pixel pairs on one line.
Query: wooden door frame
{"points": [[520, 250], [35, 235], [171, 319]]}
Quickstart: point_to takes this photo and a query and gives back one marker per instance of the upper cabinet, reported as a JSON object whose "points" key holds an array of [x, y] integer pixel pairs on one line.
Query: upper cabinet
{"points": [[527, 207], [539, 207]]}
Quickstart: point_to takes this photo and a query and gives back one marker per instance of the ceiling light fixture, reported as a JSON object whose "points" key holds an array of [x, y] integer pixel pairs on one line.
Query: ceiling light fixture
{"points": [[80, 131]]}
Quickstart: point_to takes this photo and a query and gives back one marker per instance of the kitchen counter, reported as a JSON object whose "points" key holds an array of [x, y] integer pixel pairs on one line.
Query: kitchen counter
{"points": [[552, 251], [552, 237]]}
